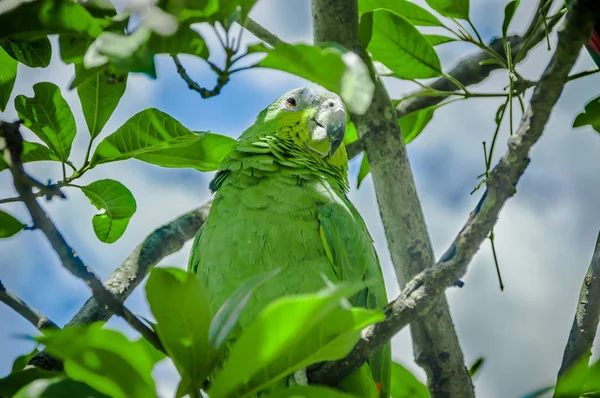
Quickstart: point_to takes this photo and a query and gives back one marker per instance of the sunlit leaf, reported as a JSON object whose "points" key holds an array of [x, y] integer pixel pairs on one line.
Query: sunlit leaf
{"points": [[157, 138], [183, 322], [332, 67], [8, 75], [417, 15], [363, 171], [99, 96], [315, 325], [49, 116], [351, 133], [58, 387], [590, 116], [405, 385], [451, 8], [116, 204], [396, 43], [104, 359], [32, 152], [310, 392], [436, 40], [9, 225], [509, 12]]}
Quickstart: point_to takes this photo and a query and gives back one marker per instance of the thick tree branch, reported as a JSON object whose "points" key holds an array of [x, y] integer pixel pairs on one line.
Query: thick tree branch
{"points": [[587, 316], [163, 241], [421, 293], [35, 318], [69, 258], [436, 345], [469, 71]]}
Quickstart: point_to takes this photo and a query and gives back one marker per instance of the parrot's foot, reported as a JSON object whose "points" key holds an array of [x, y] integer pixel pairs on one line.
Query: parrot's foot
{"points": [[298, 378]]}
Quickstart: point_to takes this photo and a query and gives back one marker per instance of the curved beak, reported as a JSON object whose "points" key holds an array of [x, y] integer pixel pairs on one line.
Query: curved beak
{"points": [[331, 119]]}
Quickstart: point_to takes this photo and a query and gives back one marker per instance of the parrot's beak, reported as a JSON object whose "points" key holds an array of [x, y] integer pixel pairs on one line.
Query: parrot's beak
{"points": [[331, 122]]}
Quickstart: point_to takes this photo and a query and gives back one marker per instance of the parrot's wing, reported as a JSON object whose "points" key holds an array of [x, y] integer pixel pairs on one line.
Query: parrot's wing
{"points": [[350, 249], [195, 253]]}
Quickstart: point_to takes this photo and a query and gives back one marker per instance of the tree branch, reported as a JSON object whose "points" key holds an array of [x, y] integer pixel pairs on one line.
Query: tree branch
{"points": [[421, 294], [469, 71], [587, 316], [436, 345], [162, 242], [69, 258], [261, 32], [35, 318]]}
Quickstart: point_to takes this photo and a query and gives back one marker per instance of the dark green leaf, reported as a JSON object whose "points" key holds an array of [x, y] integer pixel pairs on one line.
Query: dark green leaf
{"points": [[32, 152], [157, 138], [227, 316], [313, 324], [183, 322], [58, 387], [117, 205], [590, 116], [334, 68], [33, 20], [476, 366], [405, 384], [184, 41], [99, 97], [228, 12], [9, 225], [48, 115], [418, 16], [451, 8], [104, 359], [33, 53], [413, 124], [23, 360], [438, 39], [310, 392], [12, 383], [509, 12], [73, 48], [363, 171], [192, 10], [401, 47], [8, 75]]}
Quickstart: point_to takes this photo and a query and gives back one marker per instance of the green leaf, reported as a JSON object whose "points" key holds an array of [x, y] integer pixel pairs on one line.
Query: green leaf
{"points": [[227, 316], [33, 53], [58, 387], [405, 384], [363, 171], [332, 67], [418, 16], [32, 152], [99, 97], [8, 75], [104, 359], [183, 322], [451, 8], [509, 12], [157, 138], [436, 40], [491, 61], [351, 133], [590, 116], [184, 41], [12, 383], [9, 225], [476, 366], [312, 323], [117, 205], [22, 361], [400, 46], [413, 124], [73, 48], [310, 392], [192, 10], [31, 20], [48, 115]]}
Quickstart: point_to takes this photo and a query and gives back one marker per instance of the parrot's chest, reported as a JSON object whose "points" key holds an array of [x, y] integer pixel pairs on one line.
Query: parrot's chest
{"points": [[260, 227]]}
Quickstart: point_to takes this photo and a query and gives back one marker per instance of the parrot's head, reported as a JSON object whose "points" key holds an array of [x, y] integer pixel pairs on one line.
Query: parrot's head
{"points": [[312, 117]]}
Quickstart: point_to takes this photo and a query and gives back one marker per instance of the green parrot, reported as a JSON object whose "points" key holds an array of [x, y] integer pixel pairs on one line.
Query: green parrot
{"points": [[280, 202]]}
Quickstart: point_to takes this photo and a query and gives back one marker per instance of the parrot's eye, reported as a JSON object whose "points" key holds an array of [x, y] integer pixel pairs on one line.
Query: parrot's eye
{"points": [[290, 102]]}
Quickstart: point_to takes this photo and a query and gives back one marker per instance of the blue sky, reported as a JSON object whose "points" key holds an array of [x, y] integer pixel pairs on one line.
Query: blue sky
{"points": [[545, 235]]}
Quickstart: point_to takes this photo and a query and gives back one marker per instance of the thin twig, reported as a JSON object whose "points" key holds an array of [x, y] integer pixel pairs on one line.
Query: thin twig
{"points": [[585, 322], [38, 320], [223, 78], [424, 290], [69, 258], [262, 33]]}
